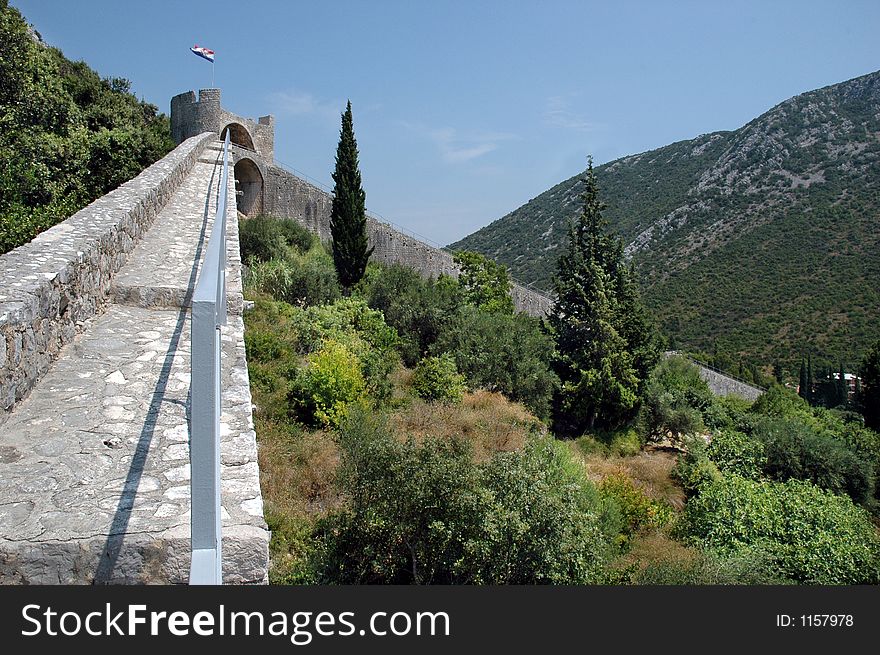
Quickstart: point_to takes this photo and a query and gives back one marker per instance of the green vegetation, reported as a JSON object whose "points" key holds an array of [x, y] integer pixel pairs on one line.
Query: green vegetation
{"points": [[604, 345], [371, 480], [484, 283], [501, 352], [417, 308], [392, 448], [524, 517], [348, 220], [810, 535], [262, 238], [870, 394], [436, 378], [67, 136], [760, 243]]}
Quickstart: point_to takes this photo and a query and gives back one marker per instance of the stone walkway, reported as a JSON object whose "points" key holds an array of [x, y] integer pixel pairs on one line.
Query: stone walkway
{"points": [[94, 464]]}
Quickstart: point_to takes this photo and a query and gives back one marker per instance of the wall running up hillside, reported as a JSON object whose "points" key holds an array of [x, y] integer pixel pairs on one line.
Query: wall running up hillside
{"points": [[288, 196]]}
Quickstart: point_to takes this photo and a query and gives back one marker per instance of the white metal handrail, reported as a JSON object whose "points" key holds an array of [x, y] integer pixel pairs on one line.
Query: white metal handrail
{"points": [[208, 315]]}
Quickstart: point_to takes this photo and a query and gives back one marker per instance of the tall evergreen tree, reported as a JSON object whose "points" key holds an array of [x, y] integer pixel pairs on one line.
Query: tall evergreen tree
{"points": [[348, 220], [605, 342], [802, 379]]}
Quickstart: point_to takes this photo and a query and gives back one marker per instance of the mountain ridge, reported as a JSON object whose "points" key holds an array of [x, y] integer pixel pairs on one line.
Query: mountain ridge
{"points": [[800, 181]]}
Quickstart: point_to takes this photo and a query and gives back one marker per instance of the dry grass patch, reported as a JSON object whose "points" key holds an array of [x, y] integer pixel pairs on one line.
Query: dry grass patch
{"points": [[488, 421], [657, 547], [649, 470], [297, 468]]}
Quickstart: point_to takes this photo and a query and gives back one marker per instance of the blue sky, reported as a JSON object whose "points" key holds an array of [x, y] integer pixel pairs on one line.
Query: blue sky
{"points": [[464, 111]]}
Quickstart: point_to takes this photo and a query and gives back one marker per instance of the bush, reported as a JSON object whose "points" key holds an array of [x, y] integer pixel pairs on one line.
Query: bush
{"points": [[780, 402], [301, 280], [734, 452], [484, 283], [626, 442], [501, 352], [675, 399], [796, 450], [637, 511], [323, 390], [263, 238], [296, 236], [429, 514], [694, 469], [546, 523], [810, 535], [417, 308], [436, 378]]}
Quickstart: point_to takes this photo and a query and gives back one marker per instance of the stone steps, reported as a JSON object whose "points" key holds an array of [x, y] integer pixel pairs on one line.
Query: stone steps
{"points": [[94, 464]]}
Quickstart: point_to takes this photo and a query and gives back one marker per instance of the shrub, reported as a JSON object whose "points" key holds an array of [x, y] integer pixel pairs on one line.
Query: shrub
{"points": [[694, 469], [637, 511], [428, 514], [780, 402], [361, 329], [625, 442], [296, 236], [675, 399], [500, 352], [484, 283], [745, 567], [331, 380], [810, 535], [261, 238], [436, 378], [417, 308], [545, 523], [734, 452], [794, 449], [301, 280]]}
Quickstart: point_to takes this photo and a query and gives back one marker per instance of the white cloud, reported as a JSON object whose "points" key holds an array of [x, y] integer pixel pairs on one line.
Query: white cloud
{"points": [[558, 113], [301, 103], [455, 147]]}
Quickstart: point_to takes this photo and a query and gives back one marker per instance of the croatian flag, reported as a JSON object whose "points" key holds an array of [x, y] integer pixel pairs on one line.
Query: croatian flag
{"points": [[203, 52]]}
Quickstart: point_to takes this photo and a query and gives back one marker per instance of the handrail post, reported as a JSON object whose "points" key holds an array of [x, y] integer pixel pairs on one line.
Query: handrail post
{"points": [[208, 314]]}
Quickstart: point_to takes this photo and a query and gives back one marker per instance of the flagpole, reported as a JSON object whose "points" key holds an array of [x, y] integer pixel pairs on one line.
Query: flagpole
{"points": [[212, 74]]}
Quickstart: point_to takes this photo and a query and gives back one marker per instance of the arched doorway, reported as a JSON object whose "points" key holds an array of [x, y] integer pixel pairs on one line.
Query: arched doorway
{"points": [[238, 135], [248, 187]]}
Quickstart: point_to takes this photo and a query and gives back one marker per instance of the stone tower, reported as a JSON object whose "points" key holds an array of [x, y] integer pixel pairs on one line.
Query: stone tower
{"points": [[190, 117]]}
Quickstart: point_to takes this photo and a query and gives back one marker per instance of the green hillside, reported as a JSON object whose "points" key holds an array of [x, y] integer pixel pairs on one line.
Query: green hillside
{"points": [[67, 136], [762, 240]]}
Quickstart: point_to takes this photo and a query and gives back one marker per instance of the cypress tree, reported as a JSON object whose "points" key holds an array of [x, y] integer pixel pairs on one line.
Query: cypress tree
{"points": [[348, 220], [605, 342], [802, 380]]}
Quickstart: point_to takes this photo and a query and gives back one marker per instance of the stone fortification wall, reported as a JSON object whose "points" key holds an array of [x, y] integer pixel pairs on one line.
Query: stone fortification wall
{"points": [[288, 196], [52, 285], [190, 117], [723, 385]]}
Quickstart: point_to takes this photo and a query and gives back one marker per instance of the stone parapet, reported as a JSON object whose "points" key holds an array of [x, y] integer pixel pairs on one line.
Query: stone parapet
{"points": [[52, 285]]}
